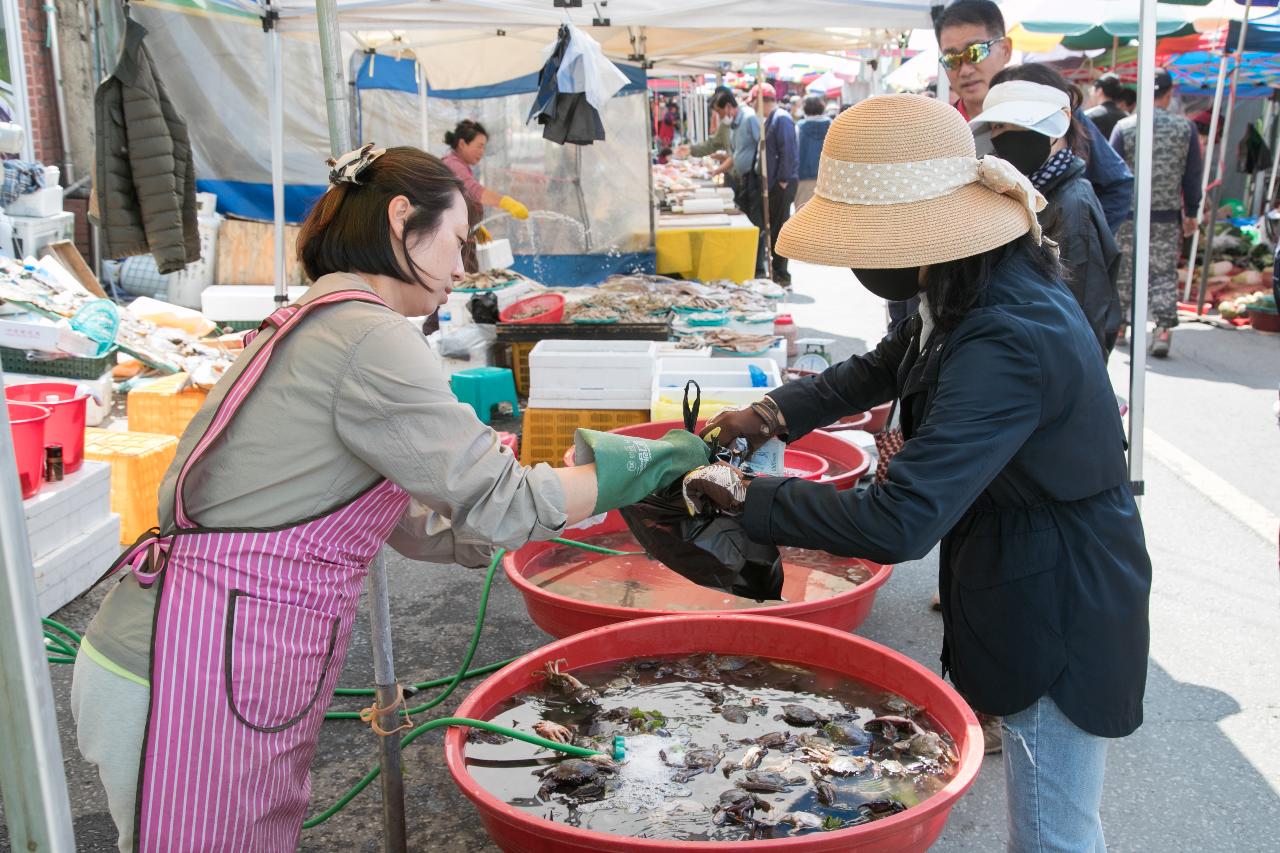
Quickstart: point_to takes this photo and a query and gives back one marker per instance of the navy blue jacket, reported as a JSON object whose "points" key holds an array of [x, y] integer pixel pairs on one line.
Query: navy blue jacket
{"points": [[780, 148], [811, 132], [1014, 459]]}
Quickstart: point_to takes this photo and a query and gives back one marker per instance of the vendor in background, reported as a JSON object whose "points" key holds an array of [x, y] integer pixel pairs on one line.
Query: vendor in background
{"points": [[811, 133], [1029, 110], [721, 139], [744, 136], [1014, 454], [205, 675], [466, 149]]}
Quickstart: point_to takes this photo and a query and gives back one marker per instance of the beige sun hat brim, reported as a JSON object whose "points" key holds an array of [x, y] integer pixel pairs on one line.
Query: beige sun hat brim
{"points": [[969, 221]]}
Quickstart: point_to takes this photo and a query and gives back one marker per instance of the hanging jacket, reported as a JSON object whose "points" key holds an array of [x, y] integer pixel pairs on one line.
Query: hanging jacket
{"points": [[144, 174], [1014, 459], [1090, 257], [564, 116]]}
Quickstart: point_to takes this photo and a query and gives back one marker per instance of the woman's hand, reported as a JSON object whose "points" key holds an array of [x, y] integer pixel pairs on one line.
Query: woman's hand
{"points": [[756, 423], [719, 485]]}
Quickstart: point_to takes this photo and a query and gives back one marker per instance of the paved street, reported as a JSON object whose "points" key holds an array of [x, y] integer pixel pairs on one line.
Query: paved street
{"points": [[1202, 774]]}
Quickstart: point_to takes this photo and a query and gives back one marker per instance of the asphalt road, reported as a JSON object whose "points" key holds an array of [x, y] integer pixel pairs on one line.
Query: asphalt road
{"points": [[1203, 773]]}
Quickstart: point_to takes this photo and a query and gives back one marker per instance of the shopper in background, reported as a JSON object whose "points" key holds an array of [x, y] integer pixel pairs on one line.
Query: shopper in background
{"points": [[1104, 109], [744, 130], [1014, 455], [1128, 100], [467, 143], [1029, 110], [974, 47], [811, 133], [780, 151], [1176, 168]]}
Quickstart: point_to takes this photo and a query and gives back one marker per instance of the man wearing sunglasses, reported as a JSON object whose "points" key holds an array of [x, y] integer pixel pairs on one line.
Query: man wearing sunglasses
{"points": [[974, 48]]}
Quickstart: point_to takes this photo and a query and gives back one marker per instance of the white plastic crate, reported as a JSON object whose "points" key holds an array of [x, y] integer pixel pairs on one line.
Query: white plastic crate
{"points": [[66, 573], [64, 511], [39, 204], [242, 302], [186, 285], [32, 234], [723, 383], [577, 374]]}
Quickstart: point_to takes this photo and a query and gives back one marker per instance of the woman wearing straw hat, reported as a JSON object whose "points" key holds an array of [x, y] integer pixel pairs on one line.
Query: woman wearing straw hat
{"points": [[1014, 451]]}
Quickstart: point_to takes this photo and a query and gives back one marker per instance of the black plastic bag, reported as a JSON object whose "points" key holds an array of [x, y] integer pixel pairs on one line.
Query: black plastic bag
{"points": [[484, 308], [710, 549]]}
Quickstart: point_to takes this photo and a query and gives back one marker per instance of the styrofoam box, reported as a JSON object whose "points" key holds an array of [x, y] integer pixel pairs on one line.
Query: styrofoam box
{"points": [[32, 233], [226, 302], [576, 374], [63, 575], [722, 382], [100, 391], [494, 255], [64, 511], [186, 285], [42, 202]]}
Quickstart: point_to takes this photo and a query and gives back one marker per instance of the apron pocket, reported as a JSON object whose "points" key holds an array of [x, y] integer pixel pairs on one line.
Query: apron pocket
{"points": [[276, 658]]}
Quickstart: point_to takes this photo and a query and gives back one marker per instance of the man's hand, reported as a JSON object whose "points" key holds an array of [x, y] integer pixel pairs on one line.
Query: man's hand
{"points": [[681, 152], [720, 485], [756, 423], [1189, 226]]}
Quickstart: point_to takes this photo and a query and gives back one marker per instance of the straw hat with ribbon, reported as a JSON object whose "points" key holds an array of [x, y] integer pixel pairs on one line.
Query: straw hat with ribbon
{"points": [[899, 186]]}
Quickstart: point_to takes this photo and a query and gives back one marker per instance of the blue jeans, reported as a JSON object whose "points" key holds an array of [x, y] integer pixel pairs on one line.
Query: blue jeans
{"points": [[1053, 772]]}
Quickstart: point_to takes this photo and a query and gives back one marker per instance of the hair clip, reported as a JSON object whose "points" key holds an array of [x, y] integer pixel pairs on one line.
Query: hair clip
{"points": [[348, 168]]}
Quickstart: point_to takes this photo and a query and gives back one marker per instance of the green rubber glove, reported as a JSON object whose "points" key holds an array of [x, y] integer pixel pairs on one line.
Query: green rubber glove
{"points": [[629, 469]]}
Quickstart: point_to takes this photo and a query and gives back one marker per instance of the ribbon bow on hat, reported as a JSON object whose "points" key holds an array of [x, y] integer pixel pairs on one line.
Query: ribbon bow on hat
{"points": [[347, 168], [1002, 177]]}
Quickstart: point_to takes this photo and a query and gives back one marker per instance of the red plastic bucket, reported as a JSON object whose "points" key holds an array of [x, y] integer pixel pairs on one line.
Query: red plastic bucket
{"points": [[66, 425], [551, 305], [848, 422], [563, 616], [846, 463], [26, 425], [783, 640]]}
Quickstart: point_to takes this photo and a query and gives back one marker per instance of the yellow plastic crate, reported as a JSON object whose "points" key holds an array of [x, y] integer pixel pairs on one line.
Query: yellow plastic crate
{"points": [[520, 364], [138, 464], [161, 407], [548, 433]]}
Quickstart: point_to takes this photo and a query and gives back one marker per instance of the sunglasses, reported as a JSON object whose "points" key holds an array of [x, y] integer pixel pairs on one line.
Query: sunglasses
{"points": [[973, 54]]}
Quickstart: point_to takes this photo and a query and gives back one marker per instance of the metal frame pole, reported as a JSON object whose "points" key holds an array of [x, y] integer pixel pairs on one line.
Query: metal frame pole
{"points": [[1141, 241], [275, 100], [1222, 160], [388, 689], [37, 809], [422, 107], [1208, 170]]}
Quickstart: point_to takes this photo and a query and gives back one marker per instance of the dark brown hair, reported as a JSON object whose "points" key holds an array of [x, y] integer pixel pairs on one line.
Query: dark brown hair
{"points": [[466, 131], [347, 229], [1036, 72]]}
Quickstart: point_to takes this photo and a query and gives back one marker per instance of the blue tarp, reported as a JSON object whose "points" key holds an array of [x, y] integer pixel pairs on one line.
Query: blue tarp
{"points": [[401, 75], [1197, 73], [575, 270], [1263, 35]]}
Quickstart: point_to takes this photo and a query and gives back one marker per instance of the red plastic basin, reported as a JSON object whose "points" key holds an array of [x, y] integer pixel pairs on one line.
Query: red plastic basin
{"points": [[783, 640], [550, 306], [848, 422], [66, 425], [846, 463], [26, 425], [563, 616]]}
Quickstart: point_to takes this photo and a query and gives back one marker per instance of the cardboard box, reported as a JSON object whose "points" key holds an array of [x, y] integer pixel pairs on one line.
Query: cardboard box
{"points": [[246, 253], [35, 334]]}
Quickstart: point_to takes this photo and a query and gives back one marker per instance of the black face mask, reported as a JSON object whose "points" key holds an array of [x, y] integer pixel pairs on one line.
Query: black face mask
{"points": [[1025, 149], [894, 285]]}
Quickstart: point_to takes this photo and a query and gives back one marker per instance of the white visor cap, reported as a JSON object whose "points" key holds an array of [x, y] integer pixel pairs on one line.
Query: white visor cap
{"points": [[1033, 106]]}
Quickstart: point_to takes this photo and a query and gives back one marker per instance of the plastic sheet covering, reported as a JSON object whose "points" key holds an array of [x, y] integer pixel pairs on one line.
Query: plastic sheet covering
{"points": [[614, 200]]}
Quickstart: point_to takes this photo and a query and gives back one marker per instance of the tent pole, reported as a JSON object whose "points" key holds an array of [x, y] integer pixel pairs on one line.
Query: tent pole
{"points": [[337, 99], [422, 107], [1204, 178], [388, 688], [37, 808], [275, 66], [1141, 242], [1222, 159]]}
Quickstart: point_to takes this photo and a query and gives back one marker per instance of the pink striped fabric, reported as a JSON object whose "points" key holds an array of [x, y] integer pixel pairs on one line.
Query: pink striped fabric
{"points": [[251, 632]]}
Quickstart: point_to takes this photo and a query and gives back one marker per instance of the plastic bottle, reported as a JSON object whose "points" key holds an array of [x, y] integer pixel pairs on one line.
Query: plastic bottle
{"points": [[785, 327], [446, 319]]}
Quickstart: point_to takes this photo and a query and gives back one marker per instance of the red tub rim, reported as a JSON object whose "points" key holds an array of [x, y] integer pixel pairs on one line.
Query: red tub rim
{"points": [[45, 412], [880, 573], [970, 759]]}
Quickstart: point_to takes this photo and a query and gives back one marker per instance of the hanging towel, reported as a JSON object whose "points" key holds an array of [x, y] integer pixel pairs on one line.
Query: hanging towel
{"points": [[20, 178]]}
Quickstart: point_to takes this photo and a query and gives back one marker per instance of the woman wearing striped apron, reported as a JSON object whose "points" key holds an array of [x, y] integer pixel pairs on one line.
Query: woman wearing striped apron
{"points": [[208, 669]]}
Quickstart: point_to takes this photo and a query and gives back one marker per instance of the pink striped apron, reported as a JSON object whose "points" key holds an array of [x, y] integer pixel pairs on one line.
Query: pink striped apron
{"points": [[251, 631]]}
